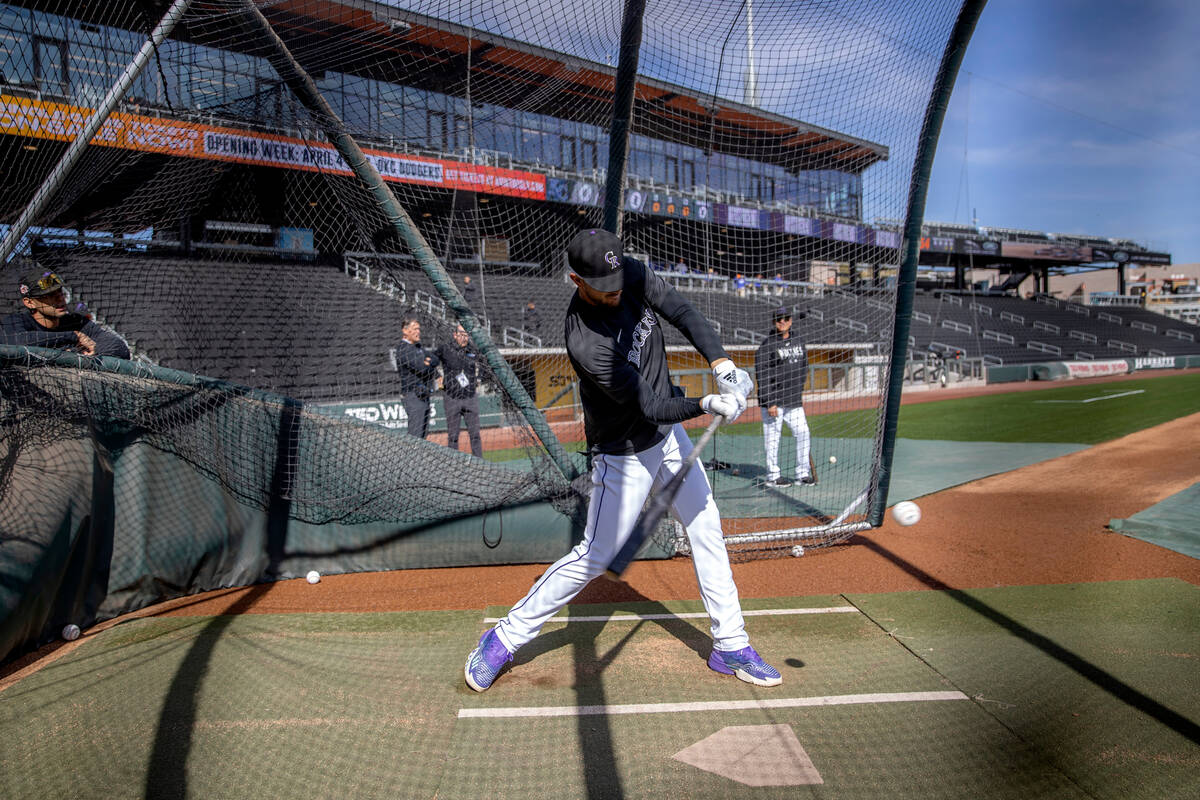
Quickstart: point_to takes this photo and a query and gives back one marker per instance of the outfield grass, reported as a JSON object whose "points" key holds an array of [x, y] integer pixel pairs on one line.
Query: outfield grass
{"points": [[1078, 414], [1081, 414]]}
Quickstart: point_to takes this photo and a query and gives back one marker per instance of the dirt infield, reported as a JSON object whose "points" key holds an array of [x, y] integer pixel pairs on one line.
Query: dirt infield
{"points": [[1043, 524]]}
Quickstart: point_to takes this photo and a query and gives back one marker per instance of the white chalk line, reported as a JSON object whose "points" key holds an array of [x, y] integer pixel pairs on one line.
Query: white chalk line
{"points": [[710, 705], [763, 612], [1094, 399]]}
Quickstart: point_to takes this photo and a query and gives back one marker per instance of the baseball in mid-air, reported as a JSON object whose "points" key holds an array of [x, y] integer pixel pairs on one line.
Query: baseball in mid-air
{"points": [[70, 632], [906, 512], [313, 576], [833, 459]]}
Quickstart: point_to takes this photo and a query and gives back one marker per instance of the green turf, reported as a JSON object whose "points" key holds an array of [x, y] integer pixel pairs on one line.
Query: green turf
{"points": [[1067, 414], [350, 705], [1101, 678]]}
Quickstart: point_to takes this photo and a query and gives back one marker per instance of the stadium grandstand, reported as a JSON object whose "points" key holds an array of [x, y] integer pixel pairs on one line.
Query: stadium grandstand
{"points": [[254, 194], [765, 210], [217, 220]]}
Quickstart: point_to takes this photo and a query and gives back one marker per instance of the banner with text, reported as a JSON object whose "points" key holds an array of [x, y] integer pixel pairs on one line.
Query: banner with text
{"points": [[59, 121]]}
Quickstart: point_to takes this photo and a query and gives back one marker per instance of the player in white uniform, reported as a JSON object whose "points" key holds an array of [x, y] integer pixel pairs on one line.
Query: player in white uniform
{"points": [[631, 416], [781, 366]]}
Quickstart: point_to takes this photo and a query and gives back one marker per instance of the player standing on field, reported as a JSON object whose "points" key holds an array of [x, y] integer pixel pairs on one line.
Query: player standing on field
{"points": [[631, 415], [418, 370], [781, 366]]}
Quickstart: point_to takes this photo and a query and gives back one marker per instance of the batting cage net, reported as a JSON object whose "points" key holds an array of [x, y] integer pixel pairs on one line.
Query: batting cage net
{"points": [[254, 198]]}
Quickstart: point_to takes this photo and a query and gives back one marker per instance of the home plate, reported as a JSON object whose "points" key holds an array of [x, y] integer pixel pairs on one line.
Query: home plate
{"points": [[754, 755]]}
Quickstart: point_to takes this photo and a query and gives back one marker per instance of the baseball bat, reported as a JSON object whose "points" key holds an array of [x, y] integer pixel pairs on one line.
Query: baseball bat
{"points": [[659, 503]]}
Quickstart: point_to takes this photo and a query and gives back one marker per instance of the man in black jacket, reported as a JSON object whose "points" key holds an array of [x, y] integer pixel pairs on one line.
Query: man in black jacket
{"points": [[781, 368], [418, 370], [460, 378], [46, 321], [632, 417]]}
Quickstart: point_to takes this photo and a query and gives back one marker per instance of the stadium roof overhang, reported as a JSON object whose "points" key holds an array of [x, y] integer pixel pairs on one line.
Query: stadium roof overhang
{"points": [[416, 50], [437, 55]]}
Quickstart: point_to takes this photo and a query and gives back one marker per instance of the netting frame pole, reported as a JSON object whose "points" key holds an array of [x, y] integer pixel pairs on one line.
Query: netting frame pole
{"points": [[622, 112], [301, 83], [66, 163], [906, 283]]}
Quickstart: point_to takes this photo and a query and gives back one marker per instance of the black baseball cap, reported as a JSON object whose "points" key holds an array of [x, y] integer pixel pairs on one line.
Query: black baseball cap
{"points": [[595, 256], [783, 312], [39, 282]]}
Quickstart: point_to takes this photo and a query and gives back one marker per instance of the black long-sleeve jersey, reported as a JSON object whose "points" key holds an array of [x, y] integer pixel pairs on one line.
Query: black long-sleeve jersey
{"points": [[780, 370], [618, 354], [21, 328], [460, 365], [416, 377]]}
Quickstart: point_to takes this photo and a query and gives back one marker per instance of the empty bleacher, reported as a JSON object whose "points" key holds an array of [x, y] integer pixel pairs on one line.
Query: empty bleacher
{"points": [[315, 332]]}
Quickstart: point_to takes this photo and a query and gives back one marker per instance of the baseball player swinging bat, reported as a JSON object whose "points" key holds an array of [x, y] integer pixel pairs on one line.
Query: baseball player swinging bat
{"points": [[659, 503]]}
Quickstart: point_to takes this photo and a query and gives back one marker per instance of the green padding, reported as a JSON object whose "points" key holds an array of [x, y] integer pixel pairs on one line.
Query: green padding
{"points": [[925, 466], [1099, 678], [1174, 523], [1013, 374], [176, 532], [1050, 371], [186, 531]]}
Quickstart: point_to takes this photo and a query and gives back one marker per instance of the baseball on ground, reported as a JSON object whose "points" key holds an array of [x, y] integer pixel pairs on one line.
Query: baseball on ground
{"points": [[313, 577], [70, 632], [906, 512]]}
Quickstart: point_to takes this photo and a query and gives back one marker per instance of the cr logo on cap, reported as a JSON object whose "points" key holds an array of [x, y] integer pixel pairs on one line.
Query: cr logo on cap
{"points": [[612, 260]]}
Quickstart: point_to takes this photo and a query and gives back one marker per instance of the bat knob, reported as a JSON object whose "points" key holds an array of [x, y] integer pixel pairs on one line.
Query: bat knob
{"points": [[612, 576]]}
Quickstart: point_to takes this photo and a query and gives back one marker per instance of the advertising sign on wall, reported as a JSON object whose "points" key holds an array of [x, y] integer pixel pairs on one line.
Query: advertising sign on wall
{"points": [[62, 122], [1048, 251]]}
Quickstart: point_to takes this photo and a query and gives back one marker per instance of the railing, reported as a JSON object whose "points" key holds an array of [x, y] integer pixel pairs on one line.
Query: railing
{"points": [[1103, 299], [518, 337], [956, 326], [384, 284], [852, 324], [1042, 347], [1048, 327], [742, 334], [926, 367]]}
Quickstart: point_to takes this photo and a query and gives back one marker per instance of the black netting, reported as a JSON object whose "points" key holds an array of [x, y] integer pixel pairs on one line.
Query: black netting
{"points": [[214, 225]]}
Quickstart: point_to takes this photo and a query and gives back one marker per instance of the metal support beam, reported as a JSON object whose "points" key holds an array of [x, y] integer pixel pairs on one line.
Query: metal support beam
{"points": [[301, 83], [622, 113], [906, 284]]}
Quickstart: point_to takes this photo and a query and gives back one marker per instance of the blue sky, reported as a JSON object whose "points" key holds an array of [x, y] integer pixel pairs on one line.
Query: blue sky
{"points": [[1069, 116], [1078, 116]]}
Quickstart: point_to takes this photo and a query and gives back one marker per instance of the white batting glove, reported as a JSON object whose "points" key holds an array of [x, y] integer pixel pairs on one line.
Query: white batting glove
{"points": [[731, 380], [725, 405]]}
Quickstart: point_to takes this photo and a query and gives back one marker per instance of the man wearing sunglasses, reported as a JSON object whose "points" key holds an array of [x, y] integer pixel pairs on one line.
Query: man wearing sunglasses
{"points": [[47, 322]]}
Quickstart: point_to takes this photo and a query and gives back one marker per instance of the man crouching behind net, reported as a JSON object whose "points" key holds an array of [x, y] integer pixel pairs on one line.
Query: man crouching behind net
{"points": [[631, 417]]}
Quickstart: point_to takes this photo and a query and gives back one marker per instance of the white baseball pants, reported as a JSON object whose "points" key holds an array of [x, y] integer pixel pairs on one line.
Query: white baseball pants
{"points": [[773, 432], [620, 485]]}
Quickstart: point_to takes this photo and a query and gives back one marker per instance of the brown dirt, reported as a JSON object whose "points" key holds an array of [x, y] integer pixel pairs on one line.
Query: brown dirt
{"points": [[1043, 524]]}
